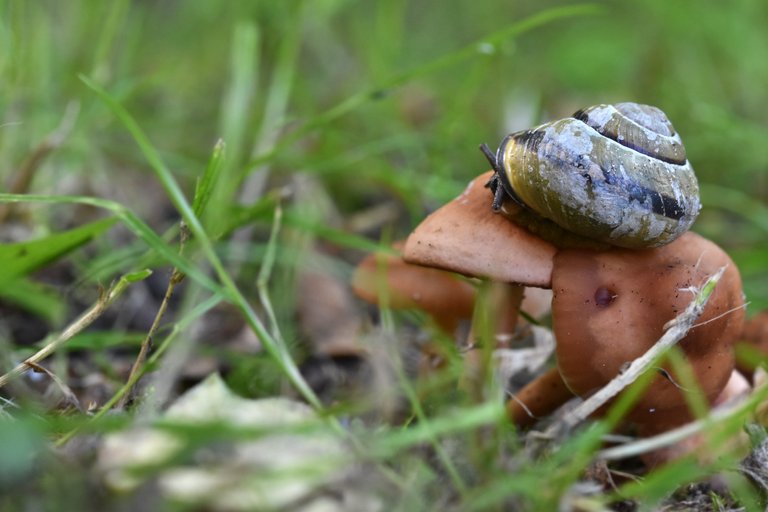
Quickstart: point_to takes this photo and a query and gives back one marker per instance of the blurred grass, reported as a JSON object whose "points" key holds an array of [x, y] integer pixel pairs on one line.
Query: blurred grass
{"points": [[358, 80], [354, 104]]}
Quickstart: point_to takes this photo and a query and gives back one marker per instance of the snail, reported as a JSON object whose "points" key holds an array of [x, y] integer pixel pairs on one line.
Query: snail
{"points": [[614, 174]]}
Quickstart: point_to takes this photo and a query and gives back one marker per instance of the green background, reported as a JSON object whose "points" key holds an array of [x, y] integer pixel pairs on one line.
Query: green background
{"points": [[380, 102]]}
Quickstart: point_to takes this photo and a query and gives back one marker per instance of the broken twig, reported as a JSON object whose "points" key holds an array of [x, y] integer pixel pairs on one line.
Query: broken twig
{"points": [[86, 319]]}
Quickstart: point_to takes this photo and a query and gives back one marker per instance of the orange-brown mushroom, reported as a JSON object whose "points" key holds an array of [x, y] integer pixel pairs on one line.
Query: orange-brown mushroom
{"points": [[737, 388], [466, 237], [610, 307], [538, 399], [447, 298]]}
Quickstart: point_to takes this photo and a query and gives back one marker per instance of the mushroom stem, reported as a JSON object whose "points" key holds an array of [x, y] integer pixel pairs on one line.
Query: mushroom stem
{"points": [[538, 398]]}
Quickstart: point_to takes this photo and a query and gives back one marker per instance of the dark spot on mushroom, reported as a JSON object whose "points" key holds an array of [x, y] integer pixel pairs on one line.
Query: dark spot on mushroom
{"points": [[604, 296]]}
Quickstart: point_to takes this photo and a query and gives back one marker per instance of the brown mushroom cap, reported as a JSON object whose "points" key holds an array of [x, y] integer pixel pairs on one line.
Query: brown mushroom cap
{"points": [[467, 237], [610, 307], [447, 298]]}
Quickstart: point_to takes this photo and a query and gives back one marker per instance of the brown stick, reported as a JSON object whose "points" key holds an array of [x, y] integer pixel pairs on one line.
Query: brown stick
{"points": [[177, 277], [83, 321]]}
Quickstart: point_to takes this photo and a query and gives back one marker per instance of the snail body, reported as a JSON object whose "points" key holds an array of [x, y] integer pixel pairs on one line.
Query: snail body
{"points": [[616, 174]]}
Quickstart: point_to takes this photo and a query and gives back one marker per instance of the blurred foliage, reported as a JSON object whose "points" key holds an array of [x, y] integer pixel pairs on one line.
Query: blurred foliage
{"points": [[174, 66]]}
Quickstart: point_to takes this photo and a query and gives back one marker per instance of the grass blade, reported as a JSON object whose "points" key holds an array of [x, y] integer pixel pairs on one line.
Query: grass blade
{"points": [[21, 258], [176, 196]]}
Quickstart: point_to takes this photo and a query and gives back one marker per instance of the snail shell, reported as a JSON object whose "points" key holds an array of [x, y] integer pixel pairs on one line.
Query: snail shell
{"points": [[616, 174]]}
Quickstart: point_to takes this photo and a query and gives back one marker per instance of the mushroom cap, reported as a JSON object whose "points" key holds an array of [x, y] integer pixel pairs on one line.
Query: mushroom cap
{"points": [[610, 307], [444, 296], [447, 297], [467, 237]]}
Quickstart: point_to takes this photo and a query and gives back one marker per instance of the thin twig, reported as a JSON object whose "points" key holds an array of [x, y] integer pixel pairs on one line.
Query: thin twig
{"points": [[668, 438], [63, 387], [177, 277], [676, 329], [197, 312], [105, 300], [146, 344]]}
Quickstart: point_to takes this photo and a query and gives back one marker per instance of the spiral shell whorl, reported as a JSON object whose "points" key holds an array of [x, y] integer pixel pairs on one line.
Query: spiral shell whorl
{"points": [[643, 128]]}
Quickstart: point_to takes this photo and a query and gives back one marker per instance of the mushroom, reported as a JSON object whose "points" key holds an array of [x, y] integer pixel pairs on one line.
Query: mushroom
{"points": [[464, 237], [540, 397], [446, 298], [610, 305]]}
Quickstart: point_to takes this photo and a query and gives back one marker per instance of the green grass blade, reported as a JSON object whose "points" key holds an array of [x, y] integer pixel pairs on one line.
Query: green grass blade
{"points": [[40, 300], [133, 223], [461, 420], [235, 115], [279, 353], [275, 107], [21, 258], [262, 281], [210, 179]]}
